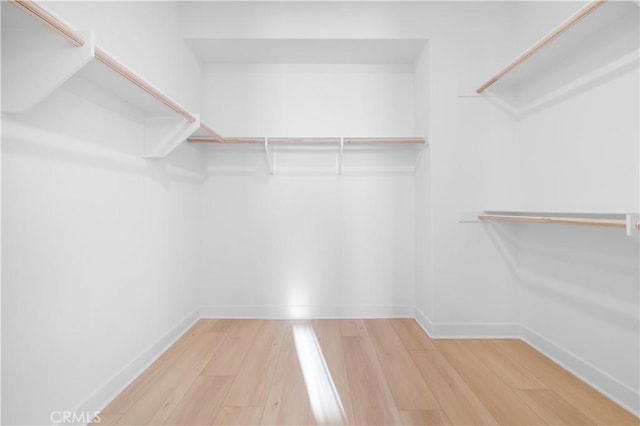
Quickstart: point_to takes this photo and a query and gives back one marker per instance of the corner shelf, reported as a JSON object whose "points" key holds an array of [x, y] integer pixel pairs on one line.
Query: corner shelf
{"points": [[42, 59], [599, 39]]}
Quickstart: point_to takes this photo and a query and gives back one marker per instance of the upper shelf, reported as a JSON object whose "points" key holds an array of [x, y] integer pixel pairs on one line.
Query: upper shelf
{"points": [[39, 60], [599, 36], [68, 57]]}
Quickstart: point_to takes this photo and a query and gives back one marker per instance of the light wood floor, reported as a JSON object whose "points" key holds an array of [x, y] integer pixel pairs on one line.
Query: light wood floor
{"points": [[366, 372]]}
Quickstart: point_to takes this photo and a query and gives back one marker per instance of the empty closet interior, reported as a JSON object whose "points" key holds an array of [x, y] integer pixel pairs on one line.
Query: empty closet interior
{"points": [[474, 166]]}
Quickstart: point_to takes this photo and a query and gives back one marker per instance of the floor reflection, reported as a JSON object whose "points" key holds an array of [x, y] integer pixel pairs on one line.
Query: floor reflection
{"points": [[323, 396]]}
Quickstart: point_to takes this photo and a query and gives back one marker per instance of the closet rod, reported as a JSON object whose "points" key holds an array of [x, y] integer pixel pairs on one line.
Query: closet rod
{"points": [[566, 25], [618, 223], [47, 18], [112, 63], [57, 25], [301, 141], [212, 132]]}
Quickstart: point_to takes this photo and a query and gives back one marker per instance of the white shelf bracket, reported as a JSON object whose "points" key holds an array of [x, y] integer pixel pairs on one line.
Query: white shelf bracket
{"points": [[35, 63], [633, 224], [163, 134], [268, 155], [341, 155]]}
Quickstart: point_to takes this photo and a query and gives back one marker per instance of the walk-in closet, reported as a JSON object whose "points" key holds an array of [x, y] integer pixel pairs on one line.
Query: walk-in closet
{"points": [[320, 212]]}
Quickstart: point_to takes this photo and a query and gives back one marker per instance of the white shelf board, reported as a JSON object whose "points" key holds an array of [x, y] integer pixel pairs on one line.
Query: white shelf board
{"points": [[96, 81], [608, 34], [35, 60]]}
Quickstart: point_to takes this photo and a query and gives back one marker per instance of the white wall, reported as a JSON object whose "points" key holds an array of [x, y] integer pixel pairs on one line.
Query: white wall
{"points": [[307, 245], [424, 285], [580, 153], [379, 234], [145, 36], [98, 253], [310, 100], [473, 284], [306, 242], [98, 244]]}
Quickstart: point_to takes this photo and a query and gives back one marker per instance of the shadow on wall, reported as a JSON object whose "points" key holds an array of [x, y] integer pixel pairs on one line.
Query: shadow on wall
{"points": [[23, 140], [593, 270]]}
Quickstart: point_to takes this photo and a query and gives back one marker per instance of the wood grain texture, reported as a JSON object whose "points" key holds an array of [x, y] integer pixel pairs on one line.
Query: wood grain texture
{"points": [[407, 385], [501, 401], [229, 357], [512, 373], [412, 336], [372, 401], [202, 401], [426, 418], [329, 337], [353, 327], [287, 402], [552, 408], [239, 416], [587, 400], [369, 372], [454, 395], [162, 397], [252, 382]]}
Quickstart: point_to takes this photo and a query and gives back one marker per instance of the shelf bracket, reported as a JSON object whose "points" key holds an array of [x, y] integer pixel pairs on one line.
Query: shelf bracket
{"points": [[268, 155], [341, 155], [35, 63], [163, 134], [633, 223]]}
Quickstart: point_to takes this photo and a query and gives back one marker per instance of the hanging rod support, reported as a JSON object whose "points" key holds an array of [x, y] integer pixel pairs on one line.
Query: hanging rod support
{"points": [[268, 155]]}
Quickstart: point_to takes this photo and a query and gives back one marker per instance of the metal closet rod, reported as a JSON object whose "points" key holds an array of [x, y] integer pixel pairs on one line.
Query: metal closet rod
{"points": [[543, 42], [307, 141], [617, 223], [77, 39]]}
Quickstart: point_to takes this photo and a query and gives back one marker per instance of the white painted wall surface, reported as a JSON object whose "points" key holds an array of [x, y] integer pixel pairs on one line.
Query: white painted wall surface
{"points": [[473, 284], [309, 100], [307, 245], [98, 251], [580, 153], [145, 36]]}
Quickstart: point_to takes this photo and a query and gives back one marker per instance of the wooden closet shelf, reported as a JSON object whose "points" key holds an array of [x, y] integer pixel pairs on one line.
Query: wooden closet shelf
{"points": [[308, 141], [544, 42], [618, 223]]}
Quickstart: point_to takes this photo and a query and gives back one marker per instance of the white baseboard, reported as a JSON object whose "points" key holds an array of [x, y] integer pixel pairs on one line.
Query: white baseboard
{"points": [[596, 378], [467, 330], [107, 392], [423, 320], [604, 383], [306, 312]]}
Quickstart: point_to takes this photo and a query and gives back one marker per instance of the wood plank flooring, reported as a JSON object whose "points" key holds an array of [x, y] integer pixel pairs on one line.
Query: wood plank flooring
{"points": [[362, 372]]}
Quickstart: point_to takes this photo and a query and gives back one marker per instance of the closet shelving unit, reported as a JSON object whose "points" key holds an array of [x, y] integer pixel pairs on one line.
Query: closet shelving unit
{"points": [[340, 144], [65, 56], [531, 64], [38, 60], [597, 40], [627, 221]]}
